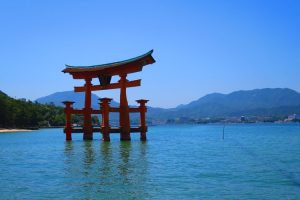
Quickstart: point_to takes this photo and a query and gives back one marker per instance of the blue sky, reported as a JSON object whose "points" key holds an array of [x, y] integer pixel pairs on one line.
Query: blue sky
{"points": [[200, 46]]}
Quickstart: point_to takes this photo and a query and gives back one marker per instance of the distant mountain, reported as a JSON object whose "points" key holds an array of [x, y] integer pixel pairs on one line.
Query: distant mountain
{"points": [[252, 99], [259, 102], [78, 97]]}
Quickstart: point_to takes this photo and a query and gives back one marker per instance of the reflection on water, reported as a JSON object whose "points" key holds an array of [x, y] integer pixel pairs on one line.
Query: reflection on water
{"points": [[68, 147], [103, 167], [89, 156], [124, 166], [143, 149], [106, 157]]}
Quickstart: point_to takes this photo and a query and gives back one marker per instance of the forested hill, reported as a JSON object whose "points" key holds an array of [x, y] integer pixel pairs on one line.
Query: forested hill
{"points": [[21, 113]]}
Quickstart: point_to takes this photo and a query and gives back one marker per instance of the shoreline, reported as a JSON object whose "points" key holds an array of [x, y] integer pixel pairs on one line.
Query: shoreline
{"points": [[13, 130]]}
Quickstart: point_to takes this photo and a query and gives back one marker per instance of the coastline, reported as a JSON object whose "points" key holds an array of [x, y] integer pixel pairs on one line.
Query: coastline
{"points": [[3, 130]]}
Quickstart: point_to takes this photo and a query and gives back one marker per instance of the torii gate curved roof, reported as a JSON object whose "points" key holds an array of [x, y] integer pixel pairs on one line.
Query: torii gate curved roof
{"points": [[122, 67]]}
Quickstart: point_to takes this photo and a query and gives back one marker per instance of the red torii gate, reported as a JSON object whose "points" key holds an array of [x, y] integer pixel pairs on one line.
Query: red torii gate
{"points": [[104, 73]]}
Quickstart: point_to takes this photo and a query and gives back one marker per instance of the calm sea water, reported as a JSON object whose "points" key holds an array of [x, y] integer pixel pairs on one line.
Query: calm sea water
{"points": [[177, 162]]}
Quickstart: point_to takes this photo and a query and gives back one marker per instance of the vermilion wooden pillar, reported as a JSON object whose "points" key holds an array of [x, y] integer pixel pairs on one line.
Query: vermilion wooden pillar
{"points": [[105, 118], [124, 110], [143, 126], [87, 125], [68, 111]]}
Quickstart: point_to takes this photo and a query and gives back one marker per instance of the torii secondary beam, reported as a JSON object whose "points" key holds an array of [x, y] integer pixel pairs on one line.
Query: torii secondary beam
{"points": [[134, 83]]}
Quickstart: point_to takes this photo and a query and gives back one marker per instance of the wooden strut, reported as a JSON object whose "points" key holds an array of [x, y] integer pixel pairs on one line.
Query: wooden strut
{"points": [[68, 111], [105, 128], [143, 110]]}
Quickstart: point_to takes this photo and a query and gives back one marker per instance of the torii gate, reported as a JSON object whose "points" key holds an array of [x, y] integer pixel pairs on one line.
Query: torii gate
{"points": [[104, 73]]}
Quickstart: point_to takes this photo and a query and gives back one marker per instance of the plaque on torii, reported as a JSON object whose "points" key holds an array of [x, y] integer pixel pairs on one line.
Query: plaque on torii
{"points": [[104, 73]]}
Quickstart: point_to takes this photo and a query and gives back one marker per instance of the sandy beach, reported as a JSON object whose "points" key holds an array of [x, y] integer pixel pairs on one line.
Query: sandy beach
{"points": [[2, 130]]}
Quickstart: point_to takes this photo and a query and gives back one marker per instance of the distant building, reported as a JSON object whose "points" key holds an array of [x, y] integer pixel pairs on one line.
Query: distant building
{"points": [[243, 118], [292, 117]]}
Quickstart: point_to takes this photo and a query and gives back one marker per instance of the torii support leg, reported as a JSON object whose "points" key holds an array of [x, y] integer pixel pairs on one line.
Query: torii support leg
{"points": [[68, 111], [124, 110], [87, 111], [105, 118], [143, 110]]}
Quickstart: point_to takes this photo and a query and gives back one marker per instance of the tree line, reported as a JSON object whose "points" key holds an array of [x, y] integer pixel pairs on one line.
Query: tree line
{"points": [[22, 113]]}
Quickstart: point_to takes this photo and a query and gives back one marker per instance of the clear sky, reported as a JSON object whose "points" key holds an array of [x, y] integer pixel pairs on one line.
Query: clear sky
{"points": [[200, 46]]}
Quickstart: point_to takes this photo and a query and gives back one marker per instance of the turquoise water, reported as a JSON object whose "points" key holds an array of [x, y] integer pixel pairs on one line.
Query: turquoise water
{"points": [[177, 162]]}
